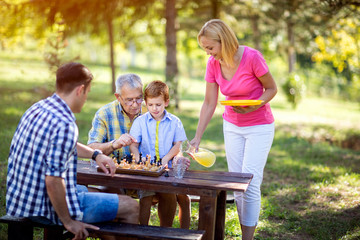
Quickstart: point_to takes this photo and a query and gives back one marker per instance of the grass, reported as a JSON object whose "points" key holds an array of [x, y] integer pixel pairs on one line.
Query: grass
{"points": [[311, 187]]}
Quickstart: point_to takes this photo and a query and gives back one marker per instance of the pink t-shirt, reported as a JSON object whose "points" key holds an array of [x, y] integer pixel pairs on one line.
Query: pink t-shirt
{"points": [[244, 85]]}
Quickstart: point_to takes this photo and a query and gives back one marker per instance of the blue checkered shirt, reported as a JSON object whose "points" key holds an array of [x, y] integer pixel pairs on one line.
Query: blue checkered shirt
{"points": [[44, 144]]}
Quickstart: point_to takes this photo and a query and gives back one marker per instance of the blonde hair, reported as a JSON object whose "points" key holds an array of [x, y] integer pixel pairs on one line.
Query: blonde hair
{"points": [[217, 30]]}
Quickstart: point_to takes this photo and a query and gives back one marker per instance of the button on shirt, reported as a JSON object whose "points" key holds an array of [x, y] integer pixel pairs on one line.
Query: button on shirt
{"points": [[171, 130], [44, 144], [109, 123]]}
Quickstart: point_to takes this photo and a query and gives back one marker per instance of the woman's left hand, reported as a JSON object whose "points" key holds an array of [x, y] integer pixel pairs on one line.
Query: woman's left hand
{"points": [[243, 110]]}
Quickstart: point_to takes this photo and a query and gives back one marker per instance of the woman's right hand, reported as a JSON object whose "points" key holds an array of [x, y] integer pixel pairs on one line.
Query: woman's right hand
{"points": [[195, 143]]}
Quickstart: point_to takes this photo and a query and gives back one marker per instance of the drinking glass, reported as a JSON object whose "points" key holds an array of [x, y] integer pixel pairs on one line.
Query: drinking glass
{"points": [[179, 166]]}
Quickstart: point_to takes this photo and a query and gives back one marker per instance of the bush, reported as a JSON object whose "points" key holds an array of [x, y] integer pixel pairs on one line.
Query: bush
{"points": [[294, 88]]}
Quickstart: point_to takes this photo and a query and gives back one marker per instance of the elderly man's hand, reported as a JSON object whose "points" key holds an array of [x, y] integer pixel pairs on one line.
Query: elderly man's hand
{"points": [[103, 162], [123, 141]]}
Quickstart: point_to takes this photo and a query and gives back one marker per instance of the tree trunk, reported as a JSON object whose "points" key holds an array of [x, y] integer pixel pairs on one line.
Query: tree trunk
{"points": [[112, 63], [171, 61], [256, 32], [291, 47], [215, 7]]}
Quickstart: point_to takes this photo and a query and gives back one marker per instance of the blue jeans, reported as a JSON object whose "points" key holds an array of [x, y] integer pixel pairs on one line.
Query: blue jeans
{"points": [[97, 207]]}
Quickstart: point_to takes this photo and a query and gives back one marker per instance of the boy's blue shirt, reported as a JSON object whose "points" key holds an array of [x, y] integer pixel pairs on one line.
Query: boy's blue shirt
{"points": [[171, 130]]}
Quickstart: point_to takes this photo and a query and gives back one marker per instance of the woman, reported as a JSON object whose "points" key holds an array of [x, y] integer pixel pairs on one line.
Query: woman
{"points": [[241, 73]]}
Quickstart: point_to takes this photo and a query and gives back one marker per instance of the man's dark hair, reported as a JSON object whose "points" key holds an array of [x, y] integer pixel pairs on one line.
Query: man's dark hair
{"points": [[70, 75]]}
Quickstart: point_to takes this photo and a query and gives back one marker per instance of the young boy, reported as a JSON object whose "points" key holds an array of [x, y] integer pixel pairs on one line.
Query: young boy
{"points": [[160, 133]]}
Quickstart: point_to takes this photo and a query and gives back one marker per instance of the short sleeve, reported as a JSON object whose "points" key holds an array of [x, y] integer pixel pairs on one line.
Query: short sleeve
{"points": [[210, 70], [259, 65], [98, 130], [135, 129], [180, 134]]}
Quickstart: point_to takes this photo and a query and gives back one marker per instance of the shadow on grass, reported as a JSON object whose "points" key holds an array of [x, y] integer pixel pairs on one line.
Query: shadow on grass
{"points": [[300, 181], [327, 224]]}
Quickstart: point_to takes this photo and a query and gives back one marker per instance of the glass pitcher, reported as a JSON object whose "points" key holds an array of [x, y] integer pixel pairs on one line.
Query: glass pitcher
{"points": [[203, 156]]}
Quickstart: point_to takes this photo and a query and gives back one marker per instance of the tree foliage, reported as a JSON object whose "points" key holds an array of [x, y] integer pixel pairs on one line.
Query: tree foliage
{"points": [[291, 29]]}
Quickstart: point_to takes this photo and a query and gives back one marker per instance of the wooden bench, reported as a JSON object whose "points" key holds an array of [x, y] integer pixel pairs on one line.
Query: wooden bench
{"points": [[22, 229]]}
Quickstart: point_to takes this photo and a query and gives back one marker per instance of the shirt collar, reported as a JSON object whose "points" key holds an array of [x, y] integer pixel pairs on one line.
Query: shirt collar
{"points": [[166, 116], [67, 109]]}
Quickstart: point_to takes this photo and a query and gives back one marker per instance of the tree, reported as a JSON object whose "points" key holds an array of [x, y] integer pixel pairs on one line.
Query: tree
{"points": [[342, 49], [171, 60], [95, 17]]}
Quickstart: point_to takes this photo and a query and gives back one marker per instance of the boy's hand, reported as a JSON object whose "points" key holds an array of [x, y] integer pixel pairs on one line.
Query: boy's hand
{"points": [[187, 163]]}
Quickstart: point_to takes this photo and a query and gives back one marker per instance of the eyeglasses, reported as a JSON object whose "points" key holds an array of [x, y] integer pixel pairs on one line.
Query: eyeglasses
{"points": [[131, 101]]}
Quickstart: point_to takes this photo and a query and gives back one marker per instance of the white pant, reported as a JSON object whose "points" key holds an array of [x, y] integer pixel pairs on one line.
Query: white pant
{"points": [[247, 149]]}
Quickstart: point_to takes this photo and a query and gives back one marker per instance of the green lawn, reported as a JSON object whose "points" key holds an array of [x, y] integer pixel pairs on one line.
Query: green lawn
{"points": [[311, 187]]}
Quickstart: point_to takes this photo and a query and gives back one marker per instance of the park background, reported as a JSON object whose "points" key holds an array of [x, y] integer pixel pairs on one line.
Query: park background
{"points": [[311, 187]]}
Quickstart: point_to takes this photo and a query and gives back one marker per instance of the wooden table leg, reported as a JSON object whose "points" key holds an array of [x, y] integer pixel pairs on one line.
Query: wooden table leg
{"points": [[207, 216], [220, 216]]}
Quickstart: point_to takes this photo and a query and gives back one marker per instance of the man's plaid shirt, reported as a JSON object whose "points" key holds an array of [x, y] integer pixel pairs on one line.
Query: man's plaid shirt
{"points": [[109, 123], [44, 144]]}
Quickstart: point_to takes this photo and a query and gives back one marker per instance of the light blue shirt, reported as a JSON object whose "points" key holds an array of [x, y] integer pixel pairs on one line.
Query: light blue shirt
{"points": [[171, 130]]}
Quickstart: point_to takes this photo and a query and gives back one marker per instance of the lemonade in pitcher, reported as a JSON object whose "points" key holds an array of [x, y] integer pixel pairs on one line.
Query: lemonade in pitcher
{"points": [[204, 157]]}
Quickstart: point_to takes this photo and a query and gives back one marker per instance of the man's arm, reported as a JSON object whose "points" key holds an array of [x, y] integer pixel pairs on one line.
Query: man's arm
{"points": [[108, 147], [105, 147], [55, 187]]}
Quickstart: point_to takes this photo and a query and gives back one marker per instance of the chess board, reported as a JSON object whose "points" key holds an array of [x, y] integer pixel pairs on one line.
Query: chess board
{"points": [[156, 173]]}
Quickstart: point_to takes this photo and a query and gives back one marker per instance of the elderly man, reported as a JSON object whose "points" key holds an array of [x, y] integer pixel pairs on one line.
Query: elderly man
{"points": [[112, 122], [110, 133], [41, 179]]}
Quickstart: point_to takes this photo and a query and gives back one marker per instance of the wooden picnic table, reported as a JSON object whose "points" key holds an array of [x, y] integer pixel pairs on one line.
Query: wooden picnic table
{"points": [[210, 186]]}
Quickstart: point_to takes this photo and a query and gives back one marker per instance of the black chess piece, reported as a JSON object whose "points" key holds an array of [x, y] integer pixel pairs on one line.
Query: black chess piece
{"points": [[140, 157]]}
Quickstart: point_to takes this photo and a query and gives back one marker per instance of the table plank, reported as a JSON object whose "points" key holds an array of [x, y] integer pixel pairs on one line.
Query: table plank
{"points": [[206, 180], [219, 176]]}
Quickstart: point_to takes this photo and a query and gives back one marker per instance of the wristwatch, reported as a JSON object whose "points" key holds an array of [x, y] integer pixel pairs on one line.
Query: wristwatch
{"points": [[96, 152]]}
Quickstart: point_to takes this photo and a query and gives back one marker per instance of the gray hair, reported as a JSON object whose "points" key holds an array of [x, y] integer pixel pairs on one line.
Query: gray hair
{"points": [[130, 79]]}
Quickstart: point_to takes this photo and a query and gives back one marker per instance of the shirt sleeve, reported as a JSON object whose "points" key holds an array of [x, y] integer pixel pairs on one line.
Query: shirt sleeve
{"points": [[180, 134], [98, 130], [135, 129], [62, 147], [210, 70], [259, 65]]}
